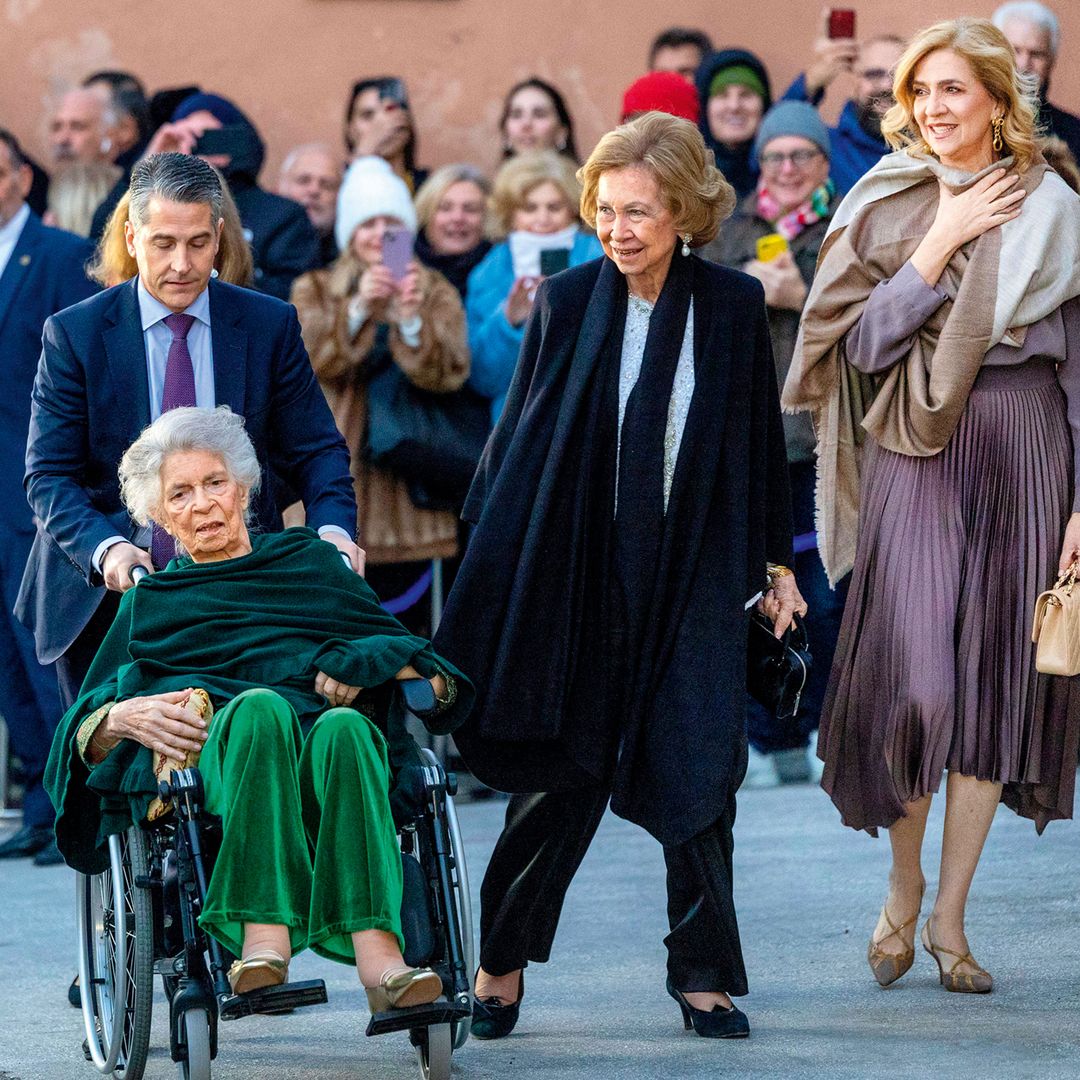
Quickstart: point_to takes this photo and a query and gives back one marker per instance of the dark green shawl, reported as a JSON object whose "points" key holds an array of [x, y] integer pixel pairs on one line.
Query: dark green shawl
{"points": [[273, 618]]}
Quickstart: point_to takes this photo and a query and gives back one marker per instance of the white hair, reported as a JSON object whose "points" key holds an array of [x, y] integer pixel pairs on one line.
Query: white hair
{"points": [[216, 431], [1030, 11], [297, 152]]}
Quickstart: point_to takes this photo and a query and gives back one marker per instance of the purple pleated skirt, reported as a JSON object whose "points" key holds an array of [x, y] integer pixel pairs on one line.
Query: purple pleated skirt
{"points": [[935, 668]]}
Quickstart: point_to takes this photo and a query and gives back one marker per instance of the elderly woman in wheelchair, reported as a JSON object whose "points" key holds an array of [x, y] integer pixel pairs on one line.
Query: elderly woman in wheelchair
{"points": [[234, 653]]}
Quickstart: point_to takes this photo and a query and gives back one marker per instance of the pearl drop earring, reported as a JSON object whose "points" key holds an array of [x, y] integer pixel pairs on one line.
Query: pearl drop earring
{"points": [[686, 244]]}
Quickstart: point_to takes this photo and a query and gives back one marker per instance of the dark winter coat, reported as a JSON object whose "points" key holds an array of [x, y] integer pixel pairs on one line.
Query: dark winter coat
{"points": [[513, 621]]}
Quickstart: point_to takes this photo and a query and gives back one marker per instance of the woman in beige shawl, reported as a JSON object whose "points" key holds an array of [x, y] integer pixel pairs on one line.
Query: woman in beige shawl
{"points": [[940, 357]]}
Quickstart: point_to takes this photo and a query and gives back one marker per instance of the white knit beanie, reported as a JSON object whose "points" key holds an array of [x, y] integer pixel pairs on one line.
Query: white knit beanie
{"points": [[370, 189]]}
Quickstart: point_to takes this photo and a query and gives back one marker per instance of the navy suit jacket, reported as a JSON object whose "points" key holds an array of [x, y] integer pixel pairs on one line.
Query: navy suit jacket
{"points": [[44, 274], [91, 399]]}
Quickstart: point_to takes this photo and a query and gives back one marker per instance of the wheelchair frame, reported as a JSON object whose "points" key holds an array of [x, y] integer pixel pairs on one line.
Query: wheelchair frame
{"points": [[127, 933]]}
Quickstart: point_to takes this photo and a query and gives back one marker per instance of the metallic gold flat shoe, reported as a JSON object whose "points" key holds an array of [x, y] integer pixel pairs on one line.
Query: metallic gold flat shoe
{"points": [[260, 969], [976, 981], [402, 987], [889, 966]]}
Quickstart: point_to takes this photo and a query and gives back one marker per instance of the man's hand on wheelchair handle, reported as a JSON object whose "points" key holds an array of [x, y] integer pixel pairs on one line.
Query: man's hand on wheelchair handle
{"points": [[117, 563], [355, 556]]}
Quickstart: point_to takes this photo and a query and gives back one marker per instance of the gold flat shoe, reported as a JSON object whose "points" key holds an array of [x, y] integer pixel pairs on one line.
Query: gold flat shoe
{"points": [[976, 981], [260, 969], [402, 987], [889, 966]]}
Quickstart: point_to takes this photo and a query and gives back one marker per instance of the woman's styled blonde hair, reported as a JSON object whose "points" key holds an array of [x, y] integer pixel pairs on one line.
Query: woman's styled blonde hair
{"points": [[691, 186], [991, 58], [113, 264], [519, 176], [440, 182]]}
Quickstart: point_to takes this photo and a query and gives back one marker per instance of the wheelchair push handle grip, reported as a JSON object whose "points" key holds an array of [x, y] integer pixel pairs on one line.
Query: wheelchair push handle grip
{"points": [[137, 572]]}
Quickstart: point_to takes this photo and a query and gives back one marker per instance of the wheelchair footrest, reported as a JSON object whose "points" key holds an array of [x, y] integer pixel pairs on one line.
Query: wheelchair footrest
{"points": [[273, 999], [417, 1016]]}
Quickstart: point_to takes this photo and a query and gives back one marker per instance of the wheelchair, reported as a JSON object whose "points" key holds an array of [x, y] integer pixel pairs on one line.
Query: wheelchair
{"points": [[139, 918]]}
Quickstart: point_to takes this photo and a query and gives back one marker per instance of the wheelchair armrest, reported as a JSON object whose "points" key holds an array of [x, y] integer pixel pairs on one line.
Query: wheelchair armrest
{"points": [[419, 696]]}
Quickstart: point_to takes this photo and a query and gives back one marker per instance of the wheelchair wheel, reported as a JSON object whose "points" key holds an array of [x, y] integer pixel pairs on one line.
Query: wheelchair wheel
{"points": [[116, 958], [463, 902], [434, 1050], [196, 1031]]}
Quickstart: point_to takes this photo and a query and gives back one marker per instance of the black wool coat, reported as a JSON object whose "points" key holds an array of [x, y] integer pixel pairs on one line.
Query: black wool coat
{"points": [[513, 620]]}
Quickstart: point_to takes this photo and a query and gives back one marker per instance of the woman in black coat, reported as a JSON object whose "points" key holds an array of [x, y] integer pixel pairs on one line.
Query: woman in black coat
{"points": [[626, 510]]}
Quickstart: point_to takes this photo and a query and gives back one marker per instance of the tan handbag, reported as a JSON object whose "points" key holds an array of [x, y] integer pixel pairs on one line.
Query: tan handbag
{"points": [[164, 766], [1056, 632]]}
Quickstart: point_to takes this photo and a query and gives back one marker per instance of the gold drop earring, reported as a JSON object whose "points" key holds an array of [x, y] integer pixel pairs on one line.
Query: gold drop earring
{"points": [[996, 126]]}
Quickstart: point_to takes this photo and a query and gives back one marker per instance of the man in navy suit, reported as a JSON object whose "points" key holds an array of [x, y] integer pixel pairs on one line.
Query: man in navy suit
{"points": [[108, 368], [41, 271]]}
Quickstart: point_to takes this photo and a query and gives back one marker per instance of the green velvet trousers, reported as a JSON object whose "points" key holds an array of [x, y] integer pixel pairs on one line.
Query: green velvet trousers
{"points": [[308, 839]]}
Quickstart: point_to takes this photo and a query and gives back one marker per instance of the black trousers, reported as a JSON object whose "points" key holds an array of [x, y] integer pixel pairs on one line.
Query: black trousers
{"points": [[72, 666], [542, 844]]}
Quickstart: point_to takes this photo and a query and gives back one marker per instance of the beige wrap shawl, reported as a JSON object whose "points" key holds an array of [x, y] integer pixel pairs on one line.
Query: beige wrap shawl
{"points": [[998, 285]]}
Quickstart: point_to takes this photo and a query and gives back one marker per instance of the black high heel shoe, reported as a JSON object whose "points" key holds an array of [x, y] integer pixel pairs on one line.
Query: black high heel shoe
{"points": [[718, 1024], [492, 1019]]}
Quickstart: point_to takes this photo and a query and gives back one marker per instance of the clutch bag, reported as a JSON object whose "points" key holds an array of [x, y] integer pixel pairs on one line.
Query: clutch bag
{"points": [[1056, 631], [777, 668]]}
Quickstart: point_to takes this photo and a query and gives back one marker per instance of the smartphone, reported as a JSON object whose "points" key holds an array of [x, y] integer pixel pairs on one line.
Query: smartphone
{"points": [[841, 23], [230, 140], [397, 252], [770, 246], [554, 261]]}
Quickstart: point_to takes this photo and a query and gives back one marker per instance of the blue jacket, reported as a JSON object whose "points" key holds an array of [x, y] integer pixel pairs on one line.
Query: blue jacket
{"points": [[853, 152], [493, 342], [91, 399], [44, 274]]}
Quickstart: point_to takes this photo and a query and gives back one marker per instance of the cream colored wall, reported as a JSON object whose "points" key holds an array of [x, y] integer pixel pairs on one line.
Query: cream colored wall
{"points": [[288, 63]]}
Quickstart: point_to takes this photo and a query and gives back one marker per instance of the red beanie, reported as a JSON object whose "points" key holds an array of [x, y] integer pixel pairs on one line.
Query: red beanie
{"points": [[661, 91]]}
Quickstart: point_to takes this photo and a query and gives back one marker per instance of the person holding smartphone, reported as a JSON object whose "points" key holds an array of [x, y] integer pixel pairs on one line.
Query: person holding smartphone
{"points": [[378, 122], [856, 141], [376, 305], [534, 216]]}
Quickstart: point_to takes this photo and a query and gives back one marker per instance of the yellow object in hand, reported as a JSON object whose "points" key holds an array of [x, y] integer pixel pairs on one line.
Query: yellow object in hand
{"points": [[770, 247]]}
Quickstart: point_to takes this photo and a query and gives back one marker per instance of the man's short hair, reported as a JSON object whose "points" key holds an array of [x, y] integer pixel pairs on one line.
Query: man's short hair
{"points": [[15, 151], [127, 96], [1030, 11], [676, 37], [181, 178]]}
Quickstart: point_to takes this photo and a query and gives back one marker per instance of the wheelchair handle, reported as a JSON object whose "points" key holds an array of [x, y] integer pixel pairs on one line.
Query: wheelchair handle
{"points": [[137, 573]]}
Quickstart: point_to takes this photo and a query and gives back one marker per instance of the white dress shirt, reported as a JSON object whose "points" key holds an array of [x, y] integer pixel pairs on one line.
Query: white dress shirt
{"points": [[10, 233]]}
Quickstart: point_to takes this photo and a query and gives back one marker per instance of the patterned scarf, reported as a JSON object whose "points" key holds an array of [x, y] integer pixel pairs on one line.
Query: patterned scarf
{"points": [[790, 225]]}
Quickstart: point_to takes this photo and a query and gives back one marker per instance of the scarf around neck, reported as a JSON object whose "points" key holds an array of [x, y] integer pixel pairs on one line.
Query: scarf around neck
{"points": [[997, 286], [791, 224]]}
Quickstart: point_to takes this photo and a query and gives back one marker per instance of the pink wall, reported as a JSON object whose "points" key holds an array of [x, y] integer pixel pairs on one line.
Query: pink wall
{"points": [[289, 62]]}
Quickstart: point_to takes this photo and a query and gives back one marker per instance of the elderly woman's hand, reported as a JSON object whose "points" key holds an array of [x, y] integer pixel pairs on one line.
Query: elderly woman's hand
{"points": [[782, 602], [337, 693], [162, 722]]}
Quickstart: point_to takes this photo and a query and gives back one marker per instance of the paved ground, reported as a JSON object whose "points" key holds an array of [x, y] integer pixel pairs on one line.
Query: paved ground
{"points": [[808, 893]]}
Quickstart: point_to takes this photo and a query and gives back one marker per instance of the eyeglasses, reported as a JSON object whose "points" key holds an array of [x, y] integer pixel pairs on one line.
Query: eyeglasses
{"points": [[876, 75], [774, 160]]}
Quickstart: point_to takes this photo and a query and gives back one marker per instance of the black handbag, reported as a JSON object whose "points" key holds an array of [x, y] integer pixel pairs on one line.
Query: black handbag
{"points": [[777, 668], [432, 441]]}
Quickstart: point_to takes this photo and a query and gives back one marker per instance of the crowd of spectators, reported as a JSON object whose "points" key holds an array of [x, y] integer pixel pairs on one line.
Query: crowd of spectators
{"points": [[452, 314]]}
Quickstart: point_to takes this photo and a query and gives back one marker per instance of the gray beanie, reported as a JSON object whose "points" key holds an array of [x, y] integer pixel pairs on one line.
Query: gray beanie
{"points": [[792, 118]]}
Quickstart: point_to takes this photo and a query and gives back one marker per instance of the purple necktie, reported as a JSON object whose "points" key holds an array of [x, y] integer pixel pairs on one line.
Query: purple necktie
{"points": [[179, 390]]}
